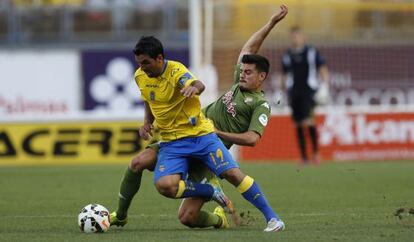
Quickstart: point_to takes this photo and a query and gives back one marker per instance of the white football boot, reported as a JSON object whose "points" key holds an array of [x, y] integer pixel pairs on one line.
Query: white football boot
{"points": [[274, 225]]}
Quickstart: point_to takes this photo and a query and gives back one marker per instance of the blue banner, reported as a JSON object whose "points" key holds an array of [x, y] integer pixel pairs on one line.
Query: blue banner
{"points": [[108, 78]]}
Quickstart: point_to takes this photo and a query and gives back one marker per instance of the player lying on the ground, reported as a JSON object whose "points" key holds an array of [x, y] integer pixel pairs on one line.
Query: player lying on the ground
{"points": [[240, 124]]}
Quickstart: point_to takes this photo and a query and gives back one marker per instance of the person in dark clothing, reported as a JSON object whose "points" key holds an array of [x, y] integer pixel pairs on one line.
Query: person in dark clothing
{"points": [[303, 67]]}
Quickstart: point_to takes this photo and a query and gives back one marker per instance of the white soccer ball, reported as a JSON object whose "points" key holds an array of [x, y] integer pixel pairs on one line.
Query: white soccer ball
{"points": [[94, 218]]}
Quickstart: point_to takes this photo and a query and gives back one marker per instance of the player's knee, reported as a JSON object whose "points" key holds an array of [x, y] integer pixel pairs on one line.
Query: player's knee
{"points": [[136, 164], [167, 188], [234, 176], [144, 160], [187, 218]]}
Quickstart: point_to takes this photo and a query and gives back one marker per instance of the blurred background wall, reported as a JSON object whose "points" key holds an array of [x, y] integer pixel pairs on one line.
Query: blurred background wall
{"points": [[369, 45], [59, 57]]}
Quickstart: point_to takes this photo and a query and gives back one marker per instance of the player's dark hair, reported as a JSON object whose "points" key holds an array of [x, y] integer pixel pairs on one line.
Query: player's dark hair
{"points": [[149, 45], [261, 62]]}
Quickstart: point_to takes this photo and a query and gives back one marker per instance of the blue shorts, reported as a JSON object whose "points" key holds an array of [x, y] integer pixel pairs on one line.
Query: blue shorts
{"points": [[174, 156]]}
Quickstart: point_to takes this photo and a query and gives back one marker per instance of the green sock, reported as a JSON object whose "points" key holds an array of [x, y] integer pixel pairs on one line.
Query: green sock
{"points": [[206, 219], [129, 187]]}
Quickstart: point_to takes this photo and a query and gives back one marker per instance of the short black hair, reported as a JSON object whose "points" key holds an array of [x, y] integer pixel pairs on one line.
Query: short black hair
{"points": [[261, 62], [149, 45]]}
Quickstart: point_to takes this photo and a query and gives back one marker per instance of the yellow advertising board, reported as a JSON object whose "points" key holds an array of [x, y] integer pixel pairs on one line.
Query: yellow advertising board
{"points": [[69, 142]]}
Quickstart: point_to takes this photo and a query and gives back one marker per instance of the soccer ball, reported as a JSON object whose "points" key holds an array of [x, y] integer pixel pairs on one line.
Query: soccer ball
{"points": [[93, 218]]}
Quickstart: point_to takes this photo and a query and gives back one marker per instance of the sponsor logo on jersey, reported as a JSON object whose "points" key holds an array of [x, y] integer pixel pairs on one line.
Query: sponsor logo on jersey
{"points": [[227, 100], [152, 85], [263, 119], [266, 105], [174, 70]]}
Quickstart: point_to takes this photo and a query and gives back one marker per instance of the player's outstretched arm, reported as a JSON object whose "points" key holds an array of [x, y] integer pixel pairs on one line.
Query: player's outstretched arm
{"points": [[252, 45]]}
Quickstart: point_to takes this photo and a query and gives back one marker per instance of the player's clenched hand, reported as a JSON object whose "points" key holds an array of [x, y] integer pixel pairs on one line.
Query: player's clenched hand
{"points": [[282, 13], [145, 131], [189, 91]]}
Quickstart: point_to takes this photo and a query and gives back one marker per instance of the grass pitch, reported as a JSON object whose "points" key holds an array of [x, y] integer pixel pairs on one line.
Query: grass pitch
{"points": [[332, 202]]}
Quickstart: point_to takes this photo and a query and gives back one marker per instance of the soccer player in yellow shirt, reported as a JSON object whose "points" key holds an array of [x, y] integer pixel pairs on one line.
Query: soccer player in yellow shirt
{"points": [[170, 93], [131, 177]]}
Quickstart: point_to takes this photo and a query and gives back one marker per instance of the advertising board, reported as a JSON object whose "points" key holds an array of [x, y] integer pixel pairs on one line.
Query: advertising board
{"points": [[343, 136]]}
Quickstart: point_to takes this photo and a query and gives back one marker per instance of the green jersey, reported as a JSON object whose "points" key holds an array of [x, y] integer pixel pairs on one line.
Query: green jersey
{"points": [[238, 111]]}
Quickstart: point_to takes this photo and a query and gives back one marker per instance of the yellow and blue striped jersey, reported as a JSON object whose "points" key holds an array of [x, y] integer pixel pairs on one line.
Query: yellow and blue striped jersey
{"points": [[176, 116]]}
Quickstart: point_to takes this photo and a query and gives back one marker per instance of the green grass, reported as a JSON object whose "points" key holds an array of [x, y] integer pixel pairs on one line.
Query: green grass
{"points": [[332, 202]]}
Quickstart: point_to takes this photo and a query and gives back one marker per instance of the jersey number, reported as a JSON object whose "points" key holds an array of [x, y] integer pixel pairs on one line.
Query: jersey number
{"points": [[219, 155]]}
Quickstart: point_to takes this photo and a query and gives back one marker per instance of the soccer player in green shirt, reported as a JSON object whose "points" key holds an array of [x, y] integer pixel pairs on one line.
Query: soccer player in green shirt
{"points": [[240, 116]]}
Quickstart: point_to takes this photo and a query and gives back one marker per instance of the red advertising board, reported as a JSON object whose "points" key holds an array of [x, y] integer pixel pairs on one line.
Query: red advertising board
{"points": [[343, 136]]}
